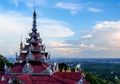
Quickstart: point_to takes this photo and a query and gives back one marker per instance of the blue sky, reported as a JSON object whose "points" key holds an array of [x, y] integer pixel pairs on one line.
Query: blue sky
{"points": [[69, 28]]}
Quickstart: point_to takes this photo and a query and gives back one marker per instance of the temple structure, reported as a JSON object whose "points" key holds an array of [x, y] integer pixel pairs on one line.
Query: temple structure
{"points": [[31, 65], [33, 57]]}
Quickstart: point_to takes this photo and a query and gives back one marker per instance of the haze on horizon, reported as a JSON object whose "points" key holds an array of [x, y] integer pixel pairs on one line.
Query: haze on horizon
{"points": [[69, 28]]}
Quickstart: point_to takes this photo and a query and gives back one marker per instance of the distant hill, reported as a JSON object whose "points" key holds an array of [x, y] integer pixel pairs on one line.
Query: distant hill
{"points": [[11, 59]]}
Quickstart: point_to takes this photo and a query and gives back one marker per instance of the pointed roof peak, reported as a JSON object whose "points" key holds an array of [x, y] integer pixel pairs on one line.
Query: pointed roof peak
{"points": [[34, 14], [34, 19]]}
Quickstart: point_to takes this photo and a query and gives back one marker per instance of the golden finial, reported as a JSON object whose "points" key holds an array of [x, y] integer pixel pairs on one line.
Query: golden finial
{"points": [[63, 70], [57, 68], [68, 69], [76, 69], [21, 46]]}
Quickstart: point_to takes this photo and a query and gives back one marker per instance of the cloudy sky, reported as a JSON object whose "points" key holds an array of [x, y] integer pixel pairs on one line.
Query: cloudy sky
{"points": [[69, 28]]}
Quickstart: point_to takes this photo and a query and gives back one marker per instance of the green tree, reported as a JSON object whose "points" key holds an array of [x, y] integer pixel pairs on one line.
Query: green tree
{"points": [[62, 65], [4, 61], [94, 79]]}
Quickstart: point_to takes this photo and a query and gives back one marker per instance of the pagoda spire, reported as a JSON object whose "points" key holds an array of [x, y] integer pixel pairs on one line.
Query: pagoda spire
{"points": [[21, 46], [34, 19]]}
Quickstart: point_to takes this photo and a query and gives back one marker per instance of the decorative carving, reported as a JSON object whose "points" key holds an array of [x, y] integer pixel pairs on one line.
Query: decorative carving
{"points": [[33, 34], [42, 58], [78, 67], [27, 68], [10, 81], [81, 81], [3, 78], [47, 71], [55, 67], [6, 68], [31, 47], [32, 40], [29, 56], [48, 57]]}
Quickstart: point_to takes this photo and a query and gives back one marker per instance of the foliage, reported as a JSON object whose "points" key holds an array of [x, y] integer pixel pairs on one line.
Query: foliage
{"points": [[61, 66], [73, 69], [117, 81], [4, 61], [94, 79], [106, 71]]}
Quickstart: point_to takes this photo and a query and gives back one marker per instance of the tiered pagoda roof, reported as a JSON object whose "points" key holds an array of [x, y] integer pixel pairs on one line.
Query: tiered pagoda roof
{"points": [[33, 56], [31, 66]]}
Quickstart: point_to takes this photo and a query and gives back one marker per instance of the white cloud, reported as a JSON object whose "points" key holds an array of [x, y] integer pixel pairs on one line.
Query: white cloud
{"points": [[87, 36], [104, 41], [105, 38], [95, 10], [29, 3], [54, 28], [57, 44], [14, 25], [110, 32], [73, 7], [82, 45], [62, 49], [108, 25]]}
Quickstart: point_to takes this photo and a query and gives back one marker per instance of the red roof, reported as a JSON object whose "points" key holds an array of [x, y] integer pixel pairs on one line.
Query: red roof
{"points": [[23, 55], [70, 75], [25, 78], [39, 68], [45, 80], [17, 68], [3, 82], [56, 78], [7, 77], [37, 56], [36, 68]]}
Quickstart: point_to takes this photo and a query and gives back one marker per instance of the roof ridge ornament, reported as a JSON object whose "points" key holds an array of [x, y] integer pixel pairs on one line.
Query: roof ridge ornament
{"points": [[10, 81], [3, 78], [29, 56], [5, 66]]}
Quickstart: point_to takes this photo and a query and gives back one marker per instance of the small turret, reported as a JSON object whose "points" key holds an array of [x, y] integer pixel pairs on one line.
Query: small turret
{"points": [[68, 69]]}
